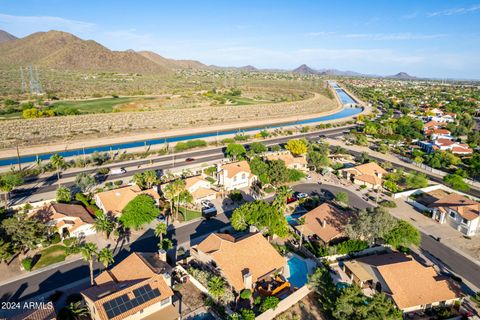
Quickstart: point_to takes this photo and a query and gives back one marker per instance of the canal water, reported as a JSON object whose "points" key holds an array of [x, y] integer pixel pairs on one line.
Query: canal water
{"points": [[344, 113]]}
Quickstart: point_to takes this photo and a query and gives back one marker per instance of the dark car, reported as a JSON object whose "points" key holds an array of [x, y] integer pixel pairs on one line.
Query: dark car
{"points": [[292, 199], [189, 159]]}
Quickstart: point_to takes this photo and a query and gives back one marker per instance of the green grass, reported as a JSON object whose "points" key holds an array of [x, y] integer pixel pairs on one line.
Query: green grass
{"points": [[187, 214], [51, 255], [96, 105]]}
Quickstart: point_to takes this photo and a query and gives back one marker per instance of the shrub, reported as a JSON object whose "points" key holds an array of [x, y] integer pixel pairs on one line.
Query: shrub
{"points": [[245, 294], [27, 264], [103, 170], [388, 204], [295, 175], [118, 183], [257, 300], [350, 246], [182, 146], [55, 238], [70, 241], [269, 303], [247, 314], [235, 196]]}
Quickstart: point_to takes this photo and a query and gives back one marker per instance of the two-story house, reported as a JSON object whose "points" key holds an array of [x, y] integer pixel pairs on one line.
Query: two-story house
{"points": [[291, 162], [235, 175]]}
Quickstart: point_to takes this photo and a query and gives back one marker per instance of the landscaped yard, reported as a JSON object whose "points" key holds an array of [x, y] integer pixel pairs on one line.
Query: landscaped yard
{"points": [[51, 255], [187, 214], [95, 105]]}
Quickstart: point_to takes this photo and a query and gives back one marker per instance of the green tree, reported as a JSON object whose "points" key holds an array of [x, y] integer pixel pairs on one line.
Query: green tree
{"points": [[456, 182], [369, 226], [351, 304], [160, 230], [63, 195], [25, 233], [297, 147], [6, 250], [104, 224], [84, 181], [281, 196], [58, 163], [260, 169], [139, 211], [258, 147], [235, 151], [415, 180], [74, 311], [269, 303], [403, 235], [216, 287], [342, 197], [264, 216], [105, 257], [146, 180], [318, 160], [8, 182], [390, 185], [322, 283], [247, 314], [89, 251], [277, 172]]}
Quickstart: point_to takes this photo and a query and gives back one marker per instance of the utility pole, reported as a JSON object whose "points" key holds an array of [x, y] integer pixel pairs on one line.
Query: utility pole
{"points": [[18, 158]]}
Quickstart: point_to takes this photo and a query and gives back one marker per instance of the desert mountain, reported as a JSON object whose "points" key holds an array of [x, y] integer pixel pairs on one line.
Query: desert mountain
{"points": [[402, 76], [5, 36], [171, 63], [304, 69], [64, 51]]}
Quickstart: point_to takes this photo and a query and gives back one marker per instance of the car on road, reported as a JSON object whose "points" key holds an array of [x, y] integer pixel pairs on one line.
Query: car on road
{"points": [[161, 218], [118, 171], [300, 195], [209, 212], [189, 159]]}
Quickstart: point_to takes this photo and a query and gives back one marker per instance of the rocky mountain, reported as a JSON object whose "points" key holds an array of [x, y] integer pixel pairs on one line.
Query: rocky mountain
{"points": [[304, 69], [5, 36], [64, 51], [171, 63], [402, 76]]}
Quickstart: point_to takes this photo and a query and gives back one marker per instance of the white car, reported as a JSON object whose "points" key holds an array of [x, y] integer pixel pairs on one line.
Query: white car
{"points": [[118, 171], [301, 195], [207, 204]]}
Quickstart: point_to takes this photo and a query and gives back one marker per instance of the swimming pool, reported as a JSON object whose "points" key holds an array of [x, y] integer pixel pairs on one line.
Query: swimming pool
{"points": [[292, 219], [298, 272]]}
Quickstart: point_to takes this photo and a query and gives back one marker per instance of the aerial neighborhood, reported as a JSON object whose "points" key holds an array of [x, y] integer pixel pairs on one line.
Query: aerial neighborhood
{"points": [[139, 187]]}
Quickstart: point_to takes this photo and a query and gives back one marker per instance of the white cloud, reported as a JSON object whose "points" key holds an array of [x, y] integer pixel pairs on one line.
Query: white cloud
{"points": [[29, 24], [455, 11]]}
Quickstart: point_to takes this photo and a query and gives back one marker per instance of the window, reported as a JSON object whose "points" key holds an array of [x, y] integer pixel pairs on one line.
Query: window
{"points": [[464, 221], [452, 214], [235, 179], [243, 176]]}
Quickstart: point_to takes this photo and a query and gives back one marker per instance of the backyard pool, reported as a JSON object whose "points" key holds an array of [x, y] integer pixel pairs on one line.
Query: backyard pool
{"points": [[298, 272], [292, 219]]}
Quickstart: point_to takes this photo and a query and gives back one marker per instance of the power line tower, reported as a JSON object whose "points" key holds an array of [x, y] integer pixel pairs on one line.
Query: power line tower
{"points": [[24, 85], [35, 87]]}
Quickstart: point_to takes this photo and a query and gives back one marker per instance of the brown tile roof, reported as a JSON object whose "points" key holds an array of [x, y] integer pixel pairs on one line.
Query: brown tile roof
{"points": [[467, 208], [191, 181], [433, 124], [236, 167], [286, 157], [252, 253], [115, 200], [367, 172], [335, 222], [37, 314], [430, 197], [202, 193], [131, 273], [167, 313], [412, 284], [73, 210]]}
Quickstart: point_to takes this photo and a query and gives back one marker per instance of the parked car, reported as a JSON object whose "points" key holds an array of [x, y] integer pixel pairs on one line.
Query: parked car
{"points": [[207, 204], [161, 218], [208, 213], [189, 159], [300, 195], [291, 200], [118, 171]]}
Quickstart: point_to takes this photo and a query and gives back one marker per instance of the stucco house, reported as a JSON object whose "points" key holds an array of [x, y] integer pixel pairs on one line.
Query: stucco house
{"points": [[200, 189], [412, 286], [235, 175], [291, 162], [139, 287], [113, 201], [367, 174], [67, 219]]}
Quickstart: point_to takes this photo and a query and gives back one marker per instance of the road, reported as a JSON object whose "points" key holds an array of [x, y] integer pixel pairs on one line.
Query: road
{"points": [[190, 234]]}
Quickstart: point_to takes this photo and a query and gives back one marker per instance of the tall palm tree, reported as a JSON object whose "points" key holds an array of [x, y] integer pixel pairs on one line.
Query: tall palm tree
{"points": [[179, 188], [150, 178], [169, 193], [160, 231], [58, 163], [281, 196], [105, 257], [89, 251], [104, 224], [172, 193]]}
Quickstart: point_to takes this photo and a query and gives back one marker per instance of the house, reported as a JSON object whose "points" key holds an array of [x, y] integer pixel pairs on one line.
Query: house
{"points": [[445, 144], [431, 125], [291, 162], [412, 286], [235, 175], [45, 311], [136, 288], [446, 117], [459, 211], [368, 174], [200, 189], [68, 219], [242, 261], [113, 201], [435, 134], [325, 223]]}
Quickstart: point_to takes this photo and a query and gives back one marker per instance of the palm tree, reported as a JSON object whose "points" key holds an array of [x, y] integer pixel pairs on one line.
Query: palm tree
{"points": [[150, 178], [301, 221], [179, 188], [58, 163], [104, 224], [160, 231], [184, 198], [216, 287], [281, 196], [169, 193], [88, 251], [74, 311], [105, 257], [172, 193]]}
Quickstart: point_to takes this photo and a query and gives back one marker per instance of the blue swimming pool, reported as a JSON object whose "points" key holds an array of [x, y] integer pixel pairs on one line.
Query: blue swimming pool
{"points": [[203, 316], [292, 219], [298, 272]]}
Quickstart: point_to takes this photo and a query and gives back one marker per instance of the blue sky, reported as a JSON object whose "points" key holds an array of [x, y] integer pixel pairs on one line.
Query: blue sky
{"points": [[424, 38]]}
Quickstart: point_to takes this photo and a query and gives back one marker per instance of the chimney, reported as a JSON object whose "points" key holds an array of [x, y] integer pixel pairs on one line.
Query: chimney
{"points": [[162, 255], [324, 223], [167, 278], [247, 281]]}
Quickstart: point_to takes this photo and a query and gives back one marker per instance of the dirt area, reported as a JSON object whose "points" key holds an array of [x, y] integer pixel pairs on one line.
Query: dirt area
{"points": [[190, 297], [305, 309]]}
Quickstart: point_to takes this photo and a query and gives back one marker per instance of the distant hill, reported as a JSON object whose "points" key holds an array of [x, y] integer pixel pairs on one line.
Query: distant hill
{"points": [[171, 63], [402, 76], [5, 36], [304, 69]]}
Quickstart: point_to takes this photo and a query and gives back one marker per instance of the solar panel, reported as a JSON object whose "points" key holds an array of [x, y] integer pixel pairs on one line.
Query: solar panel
{"points": [[122, 303]]}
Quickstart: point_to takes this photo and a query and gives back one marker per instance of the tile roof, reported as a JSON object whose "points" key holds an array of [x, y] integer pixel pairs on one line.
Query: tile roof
{"points": [[335, 221], [115, 200], [252, 253], [236, 167], [467, 208], [191, 181], [130, 274], [286, 157], [367, 172]]}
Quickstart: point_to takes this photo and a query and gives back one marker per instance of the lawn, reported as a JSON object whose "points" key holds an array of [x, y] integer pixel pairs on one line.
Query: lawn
{"points": [[51, 255], [96, 105], [187, 214]]}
